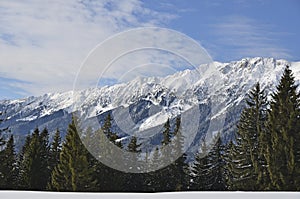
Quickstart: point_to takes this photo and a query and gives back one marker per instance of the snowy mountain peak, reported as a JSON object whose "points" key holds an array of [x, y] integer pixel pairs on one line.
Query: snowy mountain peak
{"points": [[160, 97]]}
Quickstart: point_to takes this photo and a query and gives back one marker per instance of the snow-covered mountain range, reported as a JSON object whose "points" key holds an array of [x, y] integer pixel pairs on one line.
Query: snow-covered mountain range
{"points": [[150, 101]]}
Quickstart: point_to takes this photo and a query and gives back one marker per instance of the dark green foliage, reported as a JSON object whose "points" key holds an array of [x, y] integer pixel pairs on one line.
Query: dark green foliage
{"points": [[174, 176], [108, 132], [227, 169], [265, 154], [8, 169], [208, 169], [248, 165], [21, 163], [73, 172], [33, 169], [115, 179], [133, 181], [284, 129], [166, 133], [151, 182], [2, 140], [55, 150], [179, 166]]}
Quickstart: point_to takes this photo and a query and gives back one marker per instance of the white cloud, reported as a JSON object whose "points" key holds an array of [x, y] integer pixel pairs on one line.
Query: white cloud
{"points": [[44, 42], [246, 37], [152, 48]]}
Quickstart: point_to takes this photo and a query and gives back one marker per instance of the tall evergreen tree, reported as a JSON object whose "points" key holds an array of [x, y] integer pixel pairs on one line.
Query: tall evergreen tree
{"points": [[248, 162], [208, 169], [219, 183], [107, 130], [44, 151], [180, 166], [55, 150], [133, 181], [227, 171], [284, 129], [152, 182], [165, 174], [21, 166], [107, 150], [73, 172], [8, 170], [2, 140], [166, 133], [200, 171], [34, 168]]}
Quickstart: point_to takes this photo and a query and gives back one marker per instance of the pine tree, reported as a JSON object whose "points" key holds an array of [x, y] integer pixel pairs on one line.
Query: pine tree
{"points": [[247, 158], [44, 151], [166, 133], [165, 174], [153, 179], [208, 168], [133, 181], [284, 129], [227, 169], [34, 168], [55, 150], [108, 132], [134, 148], [100, 150], [2, 140], [117, 176], [179, 167], [219, 183], [73, 172], [21, 166], [8, 170]]}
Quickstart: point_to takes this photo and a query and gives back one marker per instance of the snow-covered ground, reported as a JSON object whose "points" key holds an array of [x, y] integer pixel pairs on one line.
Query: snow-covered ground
{"points": [[174, 195]]}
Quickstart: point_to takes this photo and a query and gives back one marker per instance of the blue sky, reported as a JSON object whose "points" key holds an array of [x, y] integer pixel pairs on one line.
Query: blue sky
{"points": [[231, 30], [42, 44]]}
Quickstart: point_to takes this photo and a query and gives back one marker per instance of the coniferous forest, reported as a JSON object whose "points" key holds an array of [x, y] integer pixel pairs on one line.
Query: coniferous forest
{"points": [[264, 154]]}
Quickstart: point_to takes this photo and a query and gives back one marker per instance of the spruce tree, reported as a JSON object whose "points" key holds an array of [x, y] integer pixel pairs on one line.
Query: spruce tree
{"points": [[179, 166], [200, 171], [133, 181], [107, 130], [219, 183], [8, 170], [21, 166], [134, 148], [165, 174], [227, 171], [34, 170], [208, 168], [44, 151], [2, 140], [117, 176], [166, 133], [73, 172], [248, 167], [55, 150], [152, 181], [284, 129]]}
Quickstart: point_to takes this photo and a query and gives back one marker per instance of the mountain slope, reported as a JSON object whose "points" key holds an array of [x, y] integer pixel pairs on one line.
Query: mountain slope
{"points": [[150, 101]]}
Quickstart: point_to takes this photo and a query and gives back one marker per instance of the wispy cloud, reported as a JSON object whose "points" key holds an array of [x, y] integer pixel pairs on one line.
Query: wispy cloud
{"points": [[245, 37], [45, 42]]}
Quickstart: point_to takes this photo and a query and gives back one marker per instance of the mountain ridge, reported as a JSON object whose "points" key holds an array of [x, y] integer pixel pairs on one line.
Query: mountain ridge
{"points": [[151, 100]]}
